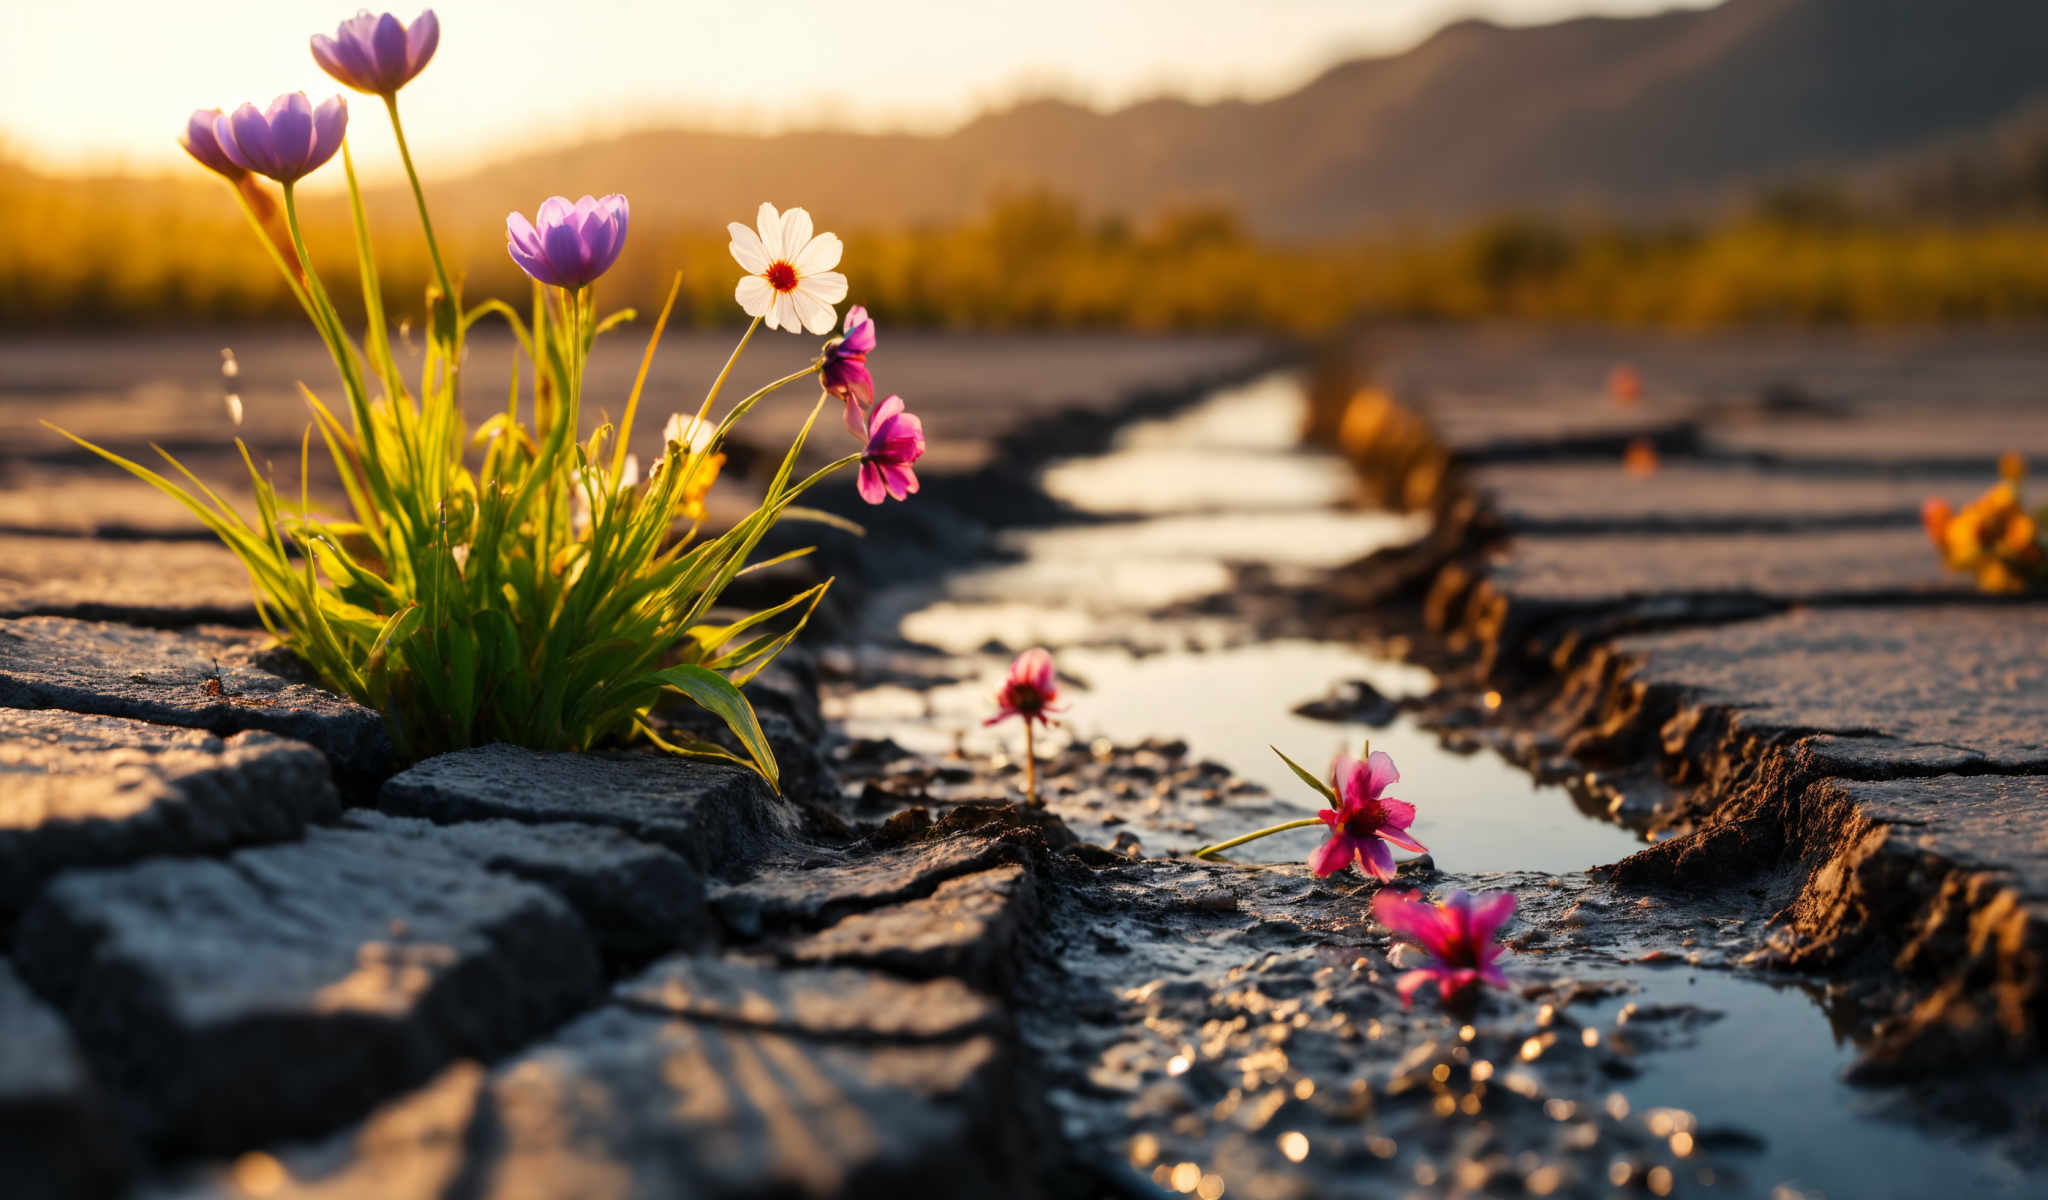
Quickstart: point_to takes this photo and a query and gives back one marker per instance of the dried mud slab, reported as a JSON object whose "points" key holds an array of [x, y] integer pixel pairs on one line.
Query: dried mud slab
{"points": [[715, 816], [58, 1136], [141, 583], [285, 989], [79, 791], [201, 680]]}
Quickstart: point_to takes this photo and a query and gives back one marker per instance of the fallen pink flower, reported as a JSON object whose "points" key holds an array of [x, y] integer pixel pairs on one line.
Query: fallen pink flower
{"points": [[1366, 820], [1456, 936]]}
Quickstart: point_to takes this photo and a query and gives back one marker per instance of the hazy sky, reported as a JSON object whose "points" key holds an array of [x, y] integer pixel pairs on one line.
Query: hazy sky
{"points": [[108, 82]]}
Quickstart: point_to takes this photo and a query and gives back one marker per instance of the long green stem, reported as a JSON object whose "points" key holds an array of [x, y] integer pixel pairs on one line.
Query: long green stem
{"points": [[709, 397], [419, 196], [291, 277], [740, 410], [1255, 835]]}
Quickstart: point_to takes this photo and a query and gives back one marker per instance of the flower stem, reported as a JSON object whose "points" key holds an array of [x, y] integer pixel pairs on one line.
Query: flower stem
{"points": [[1030, 768], [712, 395], [419, 196], [1283, 827]]}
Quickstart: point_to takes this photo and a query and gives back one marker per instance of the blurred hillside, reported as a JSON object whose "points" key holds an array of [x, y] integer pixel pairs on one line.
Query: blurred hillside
{"points": [[1628, 119], [1809, 161]]}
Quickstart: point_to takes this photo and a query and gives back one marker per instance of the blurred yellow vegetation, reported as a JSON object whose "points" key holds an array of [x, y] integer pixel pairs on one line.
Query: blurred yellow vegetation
{"points": [[122, 250]]}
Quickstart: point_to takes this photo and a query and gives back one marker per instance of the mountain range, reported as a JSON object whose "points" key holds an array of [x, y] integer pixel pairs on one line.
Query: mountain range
{"points": [[1635, 118]]}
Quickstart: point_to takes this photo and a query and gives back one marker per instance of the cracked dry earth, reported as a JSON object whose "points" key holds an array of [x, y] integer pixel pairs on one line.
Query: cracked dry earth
{"points": [[247, 956]]}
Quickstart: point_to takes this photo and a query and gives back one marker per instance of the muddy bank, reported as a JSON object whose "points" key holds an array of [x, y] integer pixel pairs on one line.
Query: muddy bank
{"points": [[1743, 644]]}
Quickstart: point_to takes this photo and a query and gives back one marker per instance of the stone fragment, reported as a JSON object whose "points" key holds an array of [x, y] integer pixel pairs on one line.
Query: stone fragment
{"points": [[201, 680], [639, 1105], [1870, 692], [57, 1139], [140, 582], [827, 1002], [718, 817], [832, 883], [967, 928], [285, 989], [94, 791], [637, 898]]}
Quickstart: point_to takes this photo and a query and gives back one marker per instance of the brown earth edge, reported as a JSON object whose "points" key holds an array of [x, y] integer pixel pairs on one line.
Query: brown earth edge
{"points": [[1911, 878]]}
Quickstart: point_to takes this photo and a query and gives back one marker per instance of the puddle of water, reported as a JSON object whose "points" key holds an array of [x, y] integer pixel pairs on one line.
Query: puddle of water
{"points": [[1772, 1067], [1222, 483], [1087, 591]]}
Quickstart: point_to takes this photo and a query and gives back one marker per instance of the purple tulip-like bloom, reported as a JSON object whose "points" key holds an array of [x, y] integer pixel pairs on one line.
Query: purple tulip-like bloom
{"points": [[568, 245], [378, 54], [287, 142], [895, 440], [845, 373], [200, 142]]}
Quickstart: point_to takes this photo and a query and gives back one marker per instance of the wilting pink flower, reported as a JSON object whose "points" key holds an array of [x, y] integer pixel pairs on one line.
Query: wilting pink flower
{"points": [[845, 373], [568, 245], [285, 142], [1367, 819], [378, 54], [895, 440], [1030, 689], [199, 142], [1457, 937]]}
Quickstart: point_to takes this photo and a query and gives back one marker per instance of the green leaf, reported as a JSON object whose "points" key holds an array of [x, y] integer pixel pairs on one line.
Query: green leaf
{"points": [[1309, 778], [716, 695]]}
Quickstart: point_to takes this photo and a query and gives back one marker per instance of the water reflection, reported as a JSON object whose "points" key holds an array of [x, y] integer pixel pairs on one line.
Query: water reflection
{"points": [[1222, 483]]}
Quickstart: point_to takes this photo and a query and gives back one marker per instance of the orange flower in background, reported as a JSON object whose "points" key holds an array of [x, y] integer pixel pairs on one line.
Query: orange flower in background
{"points": [[1624, 386], [1640, 459], [1993, 537]]}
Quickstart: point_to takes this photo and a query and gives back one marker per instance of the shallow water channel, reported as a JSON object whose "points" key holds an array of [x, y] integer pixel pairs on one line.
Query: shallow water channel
{"points": [[1165, 514]]}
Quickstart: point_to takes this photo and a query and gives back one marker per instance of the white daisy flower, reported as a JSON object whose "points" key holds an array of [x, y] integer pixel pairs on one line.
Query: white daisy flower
{"points": [[790, 280], [688, 432]]}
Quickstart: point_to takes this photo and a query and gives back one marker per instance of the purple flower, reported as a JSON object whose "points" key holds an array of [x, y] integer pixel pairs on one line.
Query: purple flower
{"points": [[378, 54], [1366, 821], [895, 440], [200, 142], [846, 368], [569, 245], [285, 143], [1457, 937]]}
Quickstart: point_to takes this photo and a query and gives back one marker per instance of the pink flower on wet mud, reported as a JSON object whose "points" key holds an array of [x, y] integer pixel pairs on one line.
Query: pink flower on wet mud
{"points": [[895, 440], [1030, 690], [845, 373], [1455, 936], [1367, 819]]}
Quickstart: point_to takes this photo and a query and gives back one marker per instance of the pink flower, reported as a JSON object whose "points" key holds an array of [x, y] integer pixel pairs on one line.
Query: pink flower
{"points": [[1367, 821], [1030, 689], [895, 440], [845, 373], [1456, 935]]}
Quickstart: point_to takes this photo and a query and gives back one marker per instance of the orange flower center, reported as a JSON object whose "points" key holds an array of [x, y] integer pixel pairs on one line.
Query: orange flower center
{"points": [[782, 277]]}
